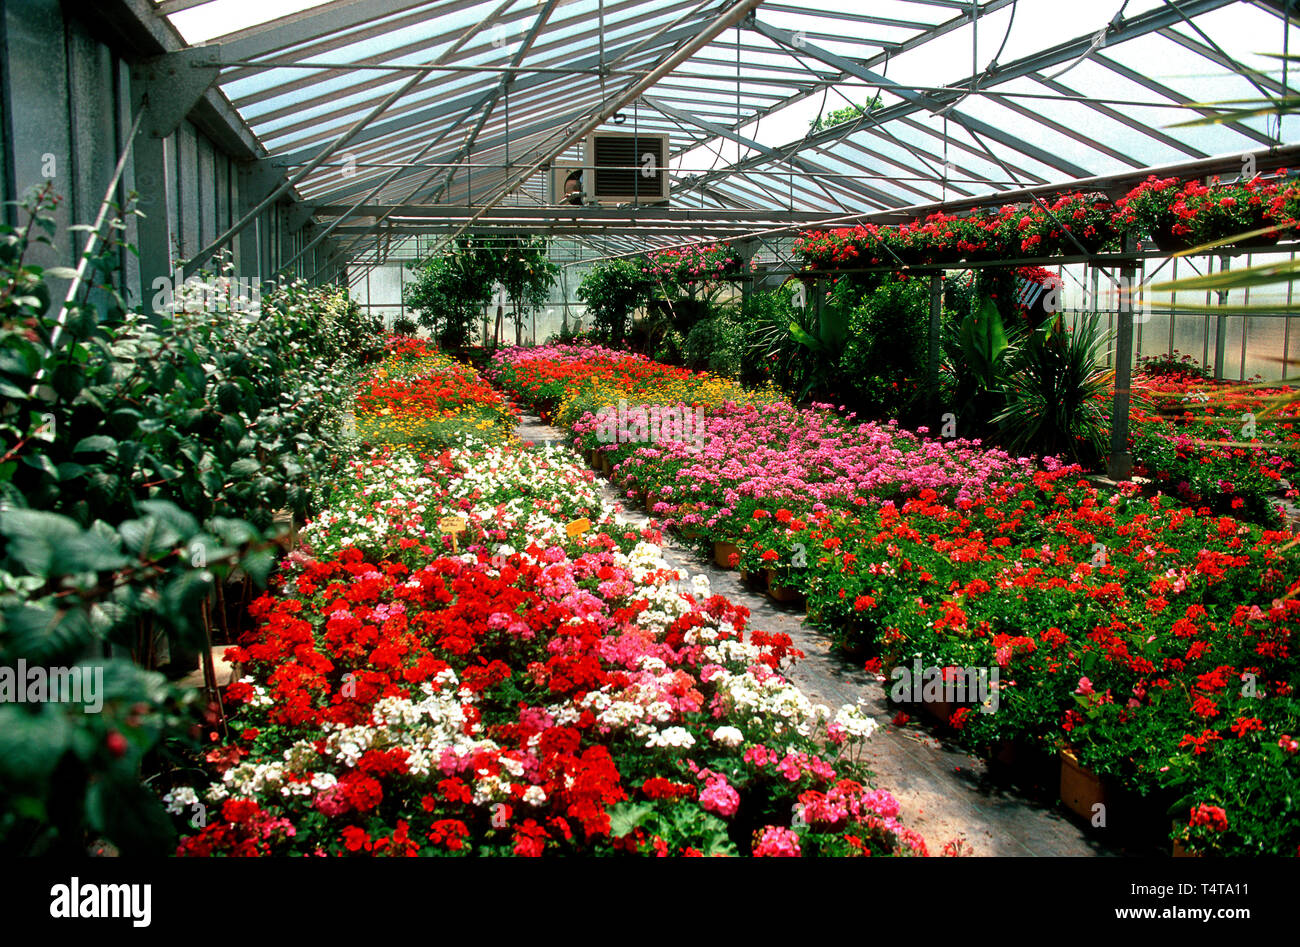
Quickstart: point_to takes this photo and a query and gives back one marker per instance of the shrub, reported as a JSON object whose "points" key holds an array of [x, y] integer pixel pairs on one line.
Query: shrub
{"points": [[884, 362], [141, 460], [612, 289]]}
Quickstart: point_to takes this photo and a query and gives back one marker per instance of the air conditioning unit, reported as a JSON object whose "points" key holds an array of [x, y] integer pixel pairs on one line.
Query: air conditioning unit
{"points": [[626, 168], [564, 184]]}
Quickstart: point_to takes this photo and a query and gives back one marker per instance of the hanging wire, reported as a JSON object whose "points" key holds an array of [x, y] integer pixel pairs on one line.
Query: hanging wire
{"points": [[977, 78], [1099, 40]]}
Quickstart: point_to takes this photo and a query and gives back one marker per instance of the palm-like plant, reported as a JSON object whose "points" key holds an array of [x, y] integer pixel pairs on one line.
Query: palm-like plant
{"points": [[1056, 382]]}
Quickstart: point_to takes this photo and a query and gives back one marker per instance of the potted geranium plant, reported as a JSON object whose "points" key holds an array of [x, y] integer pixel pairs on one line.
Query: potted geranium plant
{"points": [[1243, 210], [1073, 221], [1149, 209]]}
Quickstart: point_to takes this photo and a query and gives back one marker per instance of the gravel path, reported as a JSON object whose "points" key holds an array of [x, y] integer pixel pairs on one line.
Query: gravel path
{"points": [[944, 793]]}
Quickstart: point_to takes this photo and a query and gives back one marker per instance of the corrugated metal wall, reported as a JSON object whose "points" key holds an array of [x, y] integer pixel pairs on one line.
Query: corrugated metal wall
{"points": [[67, 111]]}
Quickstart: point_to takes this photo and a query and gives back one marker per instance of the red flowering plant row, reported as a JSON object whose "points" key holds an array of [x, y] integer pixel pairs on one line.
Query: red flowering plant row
{"points": [[543, 376], [1175, 213], [1215, 443], [530, 703], [1178, 214], [1154, 639], [526, 691], [421, 396]]}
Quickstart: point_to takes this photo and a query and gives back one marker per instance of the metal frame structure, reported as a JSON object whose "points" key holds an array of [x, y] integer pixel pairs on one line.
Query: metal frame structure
{"points": [[383, 120], [380, 124]]}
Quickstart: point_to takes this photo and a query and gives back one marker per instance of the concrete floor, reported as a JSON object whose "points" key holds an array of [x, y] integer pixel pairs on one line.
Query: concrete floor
{"points": [[944, 793]]}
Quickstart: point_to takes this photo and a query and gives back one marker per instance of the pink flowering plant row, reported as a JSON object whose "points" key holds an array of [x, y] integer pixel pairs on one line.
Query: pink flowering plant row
{"points": [[809, 459]]}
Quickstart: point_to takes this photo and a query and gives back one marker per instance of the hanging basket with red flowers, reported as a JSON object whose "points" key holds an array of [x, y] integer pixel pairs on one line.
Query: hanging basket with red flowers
{"points": [[694, 264]]}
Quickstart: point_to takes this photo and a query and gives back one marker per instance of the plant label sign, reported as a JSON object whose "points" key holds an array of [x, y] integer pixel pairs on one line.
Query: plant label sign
{"points": [[578, 527], [454, 525]]}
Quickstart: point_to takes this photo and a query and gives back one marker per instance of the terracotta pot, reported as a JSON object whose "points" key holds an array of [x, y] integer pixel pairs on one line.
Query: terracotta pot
{"points": [[938, 710], [1081, 788], [778, 592], [722, 553]]}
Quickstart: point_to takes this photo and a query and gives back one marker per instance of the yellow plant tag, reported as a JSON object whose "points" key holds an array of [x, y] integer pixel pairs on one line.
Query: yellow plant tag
{"points": [[578, 527], [452, 524]]}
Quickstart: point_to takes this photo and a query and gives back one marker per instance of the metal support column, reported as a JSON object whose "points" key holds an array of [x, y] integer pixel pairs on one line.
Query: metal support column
{"points": [[1221, 325], [153, 230], [1121, 461], [932, 365]]}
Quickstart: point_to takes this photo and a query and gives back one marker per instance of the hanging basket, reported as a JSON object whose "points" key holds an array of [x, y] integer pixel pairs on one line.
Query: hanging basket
{"points": [[1165, 239]]}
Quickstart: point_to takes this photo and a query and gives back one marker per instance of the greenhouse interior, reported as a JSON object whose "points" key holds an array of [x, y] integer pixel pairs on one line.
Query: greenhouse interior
{"points": [[649, 427]]}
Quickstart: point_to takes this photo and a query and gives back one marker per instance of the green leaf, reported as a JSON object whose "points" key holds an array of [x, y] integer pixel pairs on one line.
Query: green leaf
{"points": [[181, 597], [984, 340], [95, 443], [148, 537], [43, 463], [129, 816], [626, 817], [31, 743], [43, 635], [805, 338], [34, 536]]}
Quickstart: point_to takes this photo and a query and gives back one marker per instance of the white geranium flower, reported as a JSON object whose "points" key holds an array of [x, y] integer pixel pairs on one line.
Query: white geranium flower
{"points": [[728, 736]]}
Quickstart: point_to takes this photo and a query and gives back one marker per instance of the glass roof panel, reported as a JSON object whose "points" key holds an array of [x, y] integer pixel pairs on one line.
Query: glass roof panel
{"points": [[1112, 108]]}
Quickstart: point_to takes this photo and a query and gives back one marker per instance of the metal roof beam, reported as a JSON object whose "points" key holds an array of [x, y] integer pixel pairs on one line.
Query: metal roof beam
{"points": [[502, 88], [1065, 130], [329, 19], [1153, 133], [1221, 58], [1068, 51], [629, 214], [848, 17], [802, 164], [413, 48], [917, 101], [1175, 96], [935, 32], [726, 18], [202, 256], [453, 106], [356, 187]]}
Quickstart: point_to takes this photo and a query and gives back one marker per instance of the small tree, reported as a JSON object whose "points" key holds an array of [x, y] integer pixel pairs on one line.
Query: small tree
{"points": [[449, 292], [611, 290], [525, 270]]}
